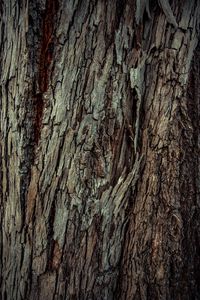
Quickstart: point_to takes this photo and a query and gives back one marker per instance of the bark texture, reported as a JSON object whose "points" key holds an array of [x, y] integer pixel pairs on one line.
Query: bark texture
{"points": [[99, 150]]}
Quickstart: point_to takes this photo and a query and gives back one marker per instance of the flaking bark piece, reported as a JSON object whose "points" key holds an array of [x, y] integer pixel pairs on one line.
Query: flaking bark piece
{"points": [[141, 5], [164, 4]]}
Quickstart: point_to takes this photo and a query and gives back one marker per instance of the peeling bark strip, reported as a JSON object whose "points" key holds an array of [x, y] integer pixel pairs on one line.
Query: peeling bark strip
{"points": [[143, 5], [107, 207]]}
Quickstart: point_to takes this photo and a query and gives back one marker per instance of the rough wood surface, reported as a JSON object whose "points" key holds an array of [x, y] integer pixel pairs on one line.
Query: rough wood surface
{"points": [[99, 167]]}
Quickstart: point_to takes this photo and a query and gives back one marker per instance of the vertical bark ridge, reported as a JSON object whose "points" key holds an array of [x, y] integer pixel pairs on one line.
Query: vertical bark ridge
{"points": [[91, 111], [14, 87], [155, 263], [192, 249]]}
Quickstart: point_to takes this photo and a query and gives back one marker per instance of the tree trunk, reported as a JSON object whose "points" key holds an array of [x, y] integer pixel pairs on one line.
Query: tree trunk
{"points": [[99, 165]]}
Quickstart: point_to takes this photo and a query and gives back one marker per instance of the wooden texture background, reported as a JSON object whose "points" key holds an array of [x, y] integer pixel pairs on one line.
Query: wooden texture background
{"points": [[99, 150]]}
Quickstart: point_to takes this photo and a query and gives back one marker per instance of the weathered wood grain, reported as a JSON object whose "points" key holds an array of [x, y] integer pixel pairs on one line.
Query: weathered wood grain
{"points": [[99, 167]]}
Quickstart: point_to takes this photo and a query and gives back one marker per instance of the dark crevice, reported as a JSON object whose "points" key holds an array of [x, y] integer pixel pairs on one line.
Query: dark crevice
{"points": [[120, 7], [39, 107], [46, 54], [51, 242]]}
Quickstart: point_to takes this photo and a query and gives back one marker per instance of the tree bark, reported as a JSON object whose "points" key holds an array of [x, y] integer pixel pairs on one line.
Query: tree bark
{"points": [[99, 164]]}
